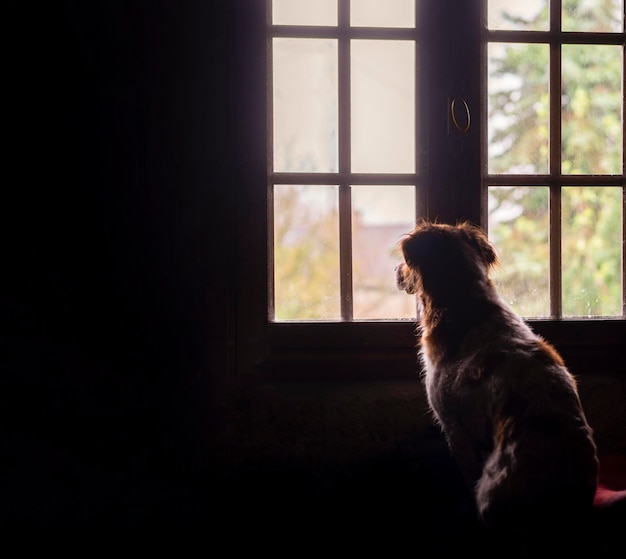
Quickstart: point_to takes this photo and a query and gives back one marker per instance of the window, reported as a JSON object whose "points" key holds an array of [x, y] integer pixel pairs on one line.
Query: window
{"points": [[344, 182], [502, 113], [555, 154]]}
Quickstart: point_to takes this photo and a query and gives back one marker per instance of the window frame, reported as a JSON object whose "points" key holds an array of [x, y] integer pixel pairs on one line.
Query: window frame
{"points": [[376, 350]]}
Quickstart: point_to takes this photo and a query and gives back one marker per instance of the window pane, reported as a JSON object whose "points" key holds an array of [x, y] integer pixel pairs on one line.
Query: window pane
{"points": [[383, 106], [593, 100], [593, 15], [304, 12], [518, 108], [374, 13], [380, 216], [531, 15], [591, 250], [306, 253], [518, 228], [305, 105]]}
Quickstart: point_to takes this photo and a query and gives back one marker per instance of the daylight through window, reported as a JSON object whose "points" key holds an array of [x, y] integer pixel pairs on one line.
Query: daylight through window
{"points": [[343, 185], [345, 181], [555, 154]]}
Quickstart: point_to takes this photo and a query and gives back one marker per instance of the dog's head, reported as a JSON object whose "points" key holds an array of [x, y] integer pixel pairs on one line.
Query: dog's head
{"points": [[440, 257]]}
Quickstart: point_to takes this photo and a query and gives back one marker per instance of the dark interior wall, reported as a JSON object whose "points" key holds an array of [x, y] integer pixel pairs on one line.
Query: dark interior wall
{"points": [[118, 322], [116, 255]]}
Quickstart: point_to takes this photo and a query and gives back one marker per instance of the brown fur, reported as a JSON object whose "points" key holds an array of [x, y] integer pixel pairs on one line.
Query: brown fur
{"points": [[505, 400]]}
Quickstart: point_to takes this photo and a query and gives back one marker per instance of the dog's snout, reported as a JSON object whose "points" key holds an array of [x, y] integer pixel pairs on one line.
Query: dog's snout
{"points": [[405, 280], [399, 270], [400, 279]]}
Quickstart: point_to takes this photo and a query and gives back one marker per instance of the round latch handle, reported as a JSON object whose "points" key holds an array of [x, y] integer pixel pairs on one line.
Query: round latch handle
{"points": [[467, 114]]}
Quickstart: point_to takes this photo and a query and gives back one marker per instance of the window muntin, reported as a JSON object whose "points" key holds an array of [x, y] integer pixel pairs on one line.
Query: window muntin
{"points": [[555, 150]]}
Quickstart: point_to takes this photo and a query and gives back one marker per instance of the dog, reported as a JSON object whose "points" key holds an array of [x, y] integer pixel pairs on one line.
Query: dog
{"points": [[507, 405]]}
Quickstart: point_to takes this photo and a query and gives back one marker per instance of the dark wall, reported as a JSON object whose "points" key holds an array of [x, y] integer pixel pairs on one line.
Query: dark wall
{"points": [[116, 254]]}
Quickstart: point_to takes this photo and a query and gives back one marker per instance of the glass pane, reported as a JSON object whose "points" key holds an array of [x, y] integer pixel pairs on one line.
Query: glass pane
{"points": [[374, 13], [304, 12], [531, 15], [305, 105], [380, 216], [592, 128], [518, 108], [518, 228], [592, 251], [593, 15], [383, 106], [306, 253]]}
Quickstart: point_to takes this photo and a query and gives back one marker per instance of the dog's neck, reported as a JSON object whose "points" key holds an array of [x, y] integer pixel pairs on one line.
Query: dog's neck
{"points": [[446, 320], [454, 297]]}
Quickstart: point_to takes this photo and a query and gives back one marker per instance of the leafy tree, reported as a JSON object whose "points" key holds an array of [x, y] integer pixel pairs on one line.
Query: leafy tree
{"points": [[306, 261], [592, 139]]}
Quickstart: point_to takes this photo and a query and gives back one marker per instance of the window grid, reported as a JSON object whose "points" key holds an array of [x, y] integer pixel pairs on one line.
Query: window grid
{"points": [[556, 180], [344, 178]]}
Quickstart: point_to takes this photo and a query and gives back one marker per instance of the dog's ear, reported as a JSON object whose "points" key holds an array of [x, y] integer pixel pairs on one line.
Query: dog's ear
{"points": [[419, 245], [479, 241]]}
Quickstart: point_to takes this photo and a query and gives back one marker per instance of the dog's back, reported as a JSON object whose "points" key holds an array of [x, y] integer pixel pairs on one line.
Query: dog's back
{"points": [[512, 415], [542, 468]]}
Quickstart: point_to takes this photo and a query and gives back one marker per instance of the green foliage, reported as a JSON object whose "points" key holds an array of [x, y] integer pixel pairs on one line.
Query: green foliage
{"points": [[306, 256], [592, 143], [521, 237], [524, 106], [591, 251], [591, 127]]}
